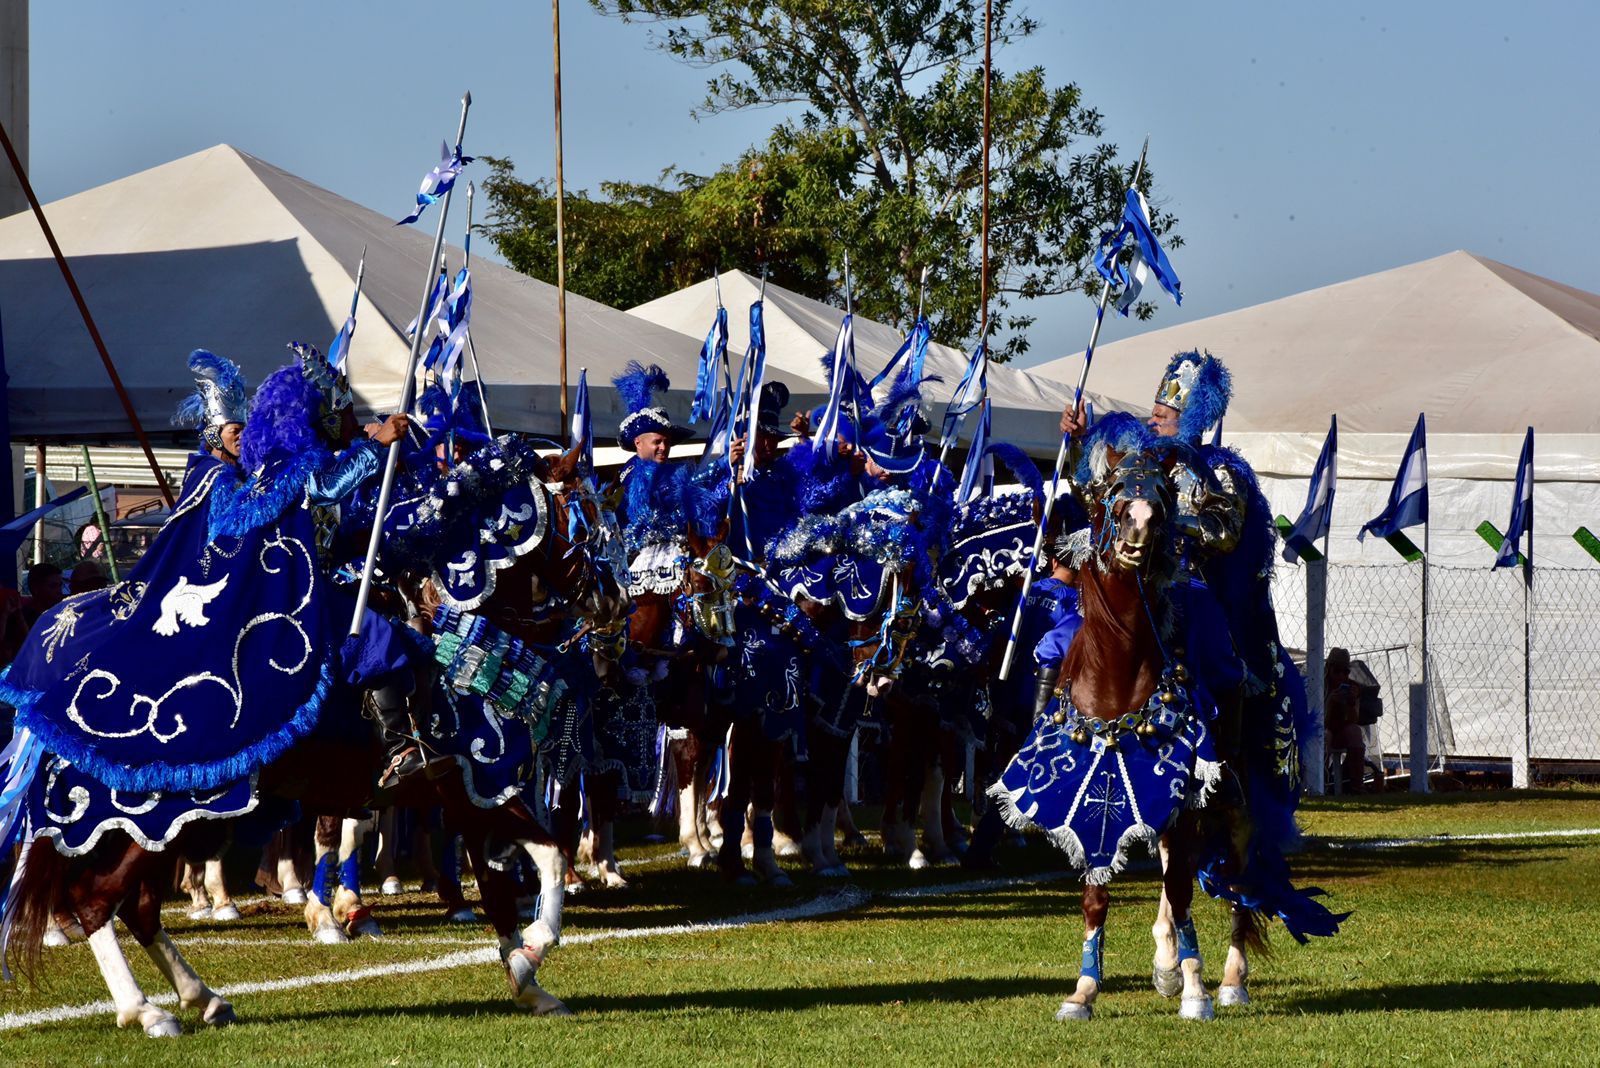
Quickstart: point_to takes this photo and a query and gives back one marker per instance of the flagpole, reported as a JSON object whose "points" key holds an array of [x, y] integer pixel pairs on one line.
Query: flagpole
{"points": [[1061, 451], [100, 515], [407, 392], [472, 350], [983, 254], [561, 213], [88, 321], [1527, 630], [1420, 724]]}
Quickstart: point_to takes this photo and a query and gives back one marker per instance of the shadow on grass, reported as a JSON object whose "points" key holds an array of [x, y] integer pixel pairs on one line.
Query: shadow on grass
{"points": [[1487, 995]]}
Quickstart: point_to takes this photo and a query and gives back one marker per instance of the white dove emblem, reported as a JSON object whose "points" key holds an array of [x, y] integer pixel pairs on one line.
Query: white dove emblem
{"points": [[186, 603]]}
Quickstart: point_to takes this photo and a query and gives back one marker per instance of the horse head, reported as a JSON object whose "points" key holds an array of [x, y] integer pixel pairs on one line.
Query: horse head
{"points": [[1130, 521]]}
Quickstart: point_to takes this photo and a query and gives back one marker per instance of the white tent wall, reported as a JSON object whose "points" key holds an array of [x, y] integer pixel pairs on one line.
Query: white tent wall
{"points": [[1475, 614]]}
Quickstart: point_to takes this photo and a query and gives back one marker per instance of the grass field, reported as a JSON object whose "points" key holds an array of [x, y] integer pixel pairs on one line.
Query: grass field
{"points": [[1476, 951]]}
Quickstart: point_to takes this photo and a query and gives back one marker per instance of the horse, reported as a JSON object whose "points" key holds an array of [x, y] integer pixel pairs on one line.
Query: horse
{"points": [[118, 877]]}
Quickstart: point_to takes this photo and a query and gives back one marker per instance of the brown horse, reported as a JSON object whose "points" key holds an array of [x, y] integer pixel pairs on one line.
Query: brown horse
{"points": [[120, 878]]}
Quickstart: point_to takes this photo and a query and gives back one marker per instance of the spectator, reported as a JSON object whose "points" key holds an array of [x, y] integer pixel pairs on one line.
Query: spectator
{"points": [[1341, 717], [45, 591], [85, 577]]}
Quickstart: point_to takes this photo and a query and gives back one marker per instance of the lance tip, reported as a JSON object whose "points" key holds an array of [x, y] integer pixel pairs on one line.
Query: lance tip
{"points": [[466, 99]]}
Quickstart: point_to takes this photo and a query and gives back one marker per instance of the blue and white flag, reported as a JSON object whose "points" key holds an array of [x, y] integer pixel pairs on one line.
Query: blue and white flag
{"points": [[437, 182], [977, 476], [1216, 435], [1317, 516], [1408, 499], [971, 391], [435, 309], [582, 424], [843, 378], [1521, 511], [458, 318], [758, 377], [1148, 256], [341, 344], [709, 377]]}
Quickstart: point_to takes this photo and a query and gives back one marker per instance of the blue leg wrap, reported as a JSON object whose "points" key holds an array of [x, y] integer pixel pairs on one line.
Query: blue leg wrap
{"points": [[761, 832], [350, 873], [449, 862], [1188, 942], [1094, 955], [319, 878]]}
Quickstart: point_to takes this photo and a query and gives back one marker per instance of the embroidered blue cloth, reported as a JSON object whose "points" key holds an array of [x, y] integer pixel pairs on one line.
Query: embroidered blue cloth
{"points": [[220, 656], [75, 810], [1095, 800]]}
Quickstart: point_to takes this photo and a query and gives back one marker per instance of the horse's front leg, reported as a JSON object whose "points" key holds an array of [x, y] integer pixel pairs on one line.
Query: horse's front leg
{"points": [[1164, 971], [144, 921], [349, 909], [1178, 884], [1236, 972], [1080, 1004]]}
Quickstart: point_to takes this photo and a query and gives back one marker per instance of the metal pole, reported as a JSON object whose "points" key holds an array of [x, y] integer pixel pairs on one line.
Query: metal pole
{"points": [[407, 390], [1417, 761], [1061, 452], [472, 350], [38, 502], [88, 321], [1527, 644], [983, 255], [1314, 773], [561, 215], [922, 291], [100, 514]]}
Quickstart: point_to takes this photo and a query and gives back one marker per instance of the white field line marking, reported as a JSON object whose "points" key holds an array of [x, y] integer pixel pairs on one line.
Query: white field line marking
{"points": [[836, 901], [1443, 839]]}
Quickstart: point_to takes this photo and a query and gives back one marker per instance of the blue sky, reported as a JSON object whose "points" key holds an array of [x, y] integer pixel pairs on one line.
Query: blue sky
{"points": [[1299, 144]]}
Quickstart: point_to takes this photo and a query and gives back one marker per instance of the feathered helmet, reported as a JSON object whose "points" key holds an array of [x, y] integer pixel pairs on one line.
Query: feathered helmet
{"points": [[887, 430], [333, 385], [637, 385], [220, 397], [443, 416], [1198, 388], [769, 412]]}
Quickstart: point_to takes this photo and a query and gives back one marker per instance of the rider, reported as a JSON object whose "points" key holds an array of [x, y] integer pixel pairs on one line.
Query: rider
{"points": [[216, 409]]}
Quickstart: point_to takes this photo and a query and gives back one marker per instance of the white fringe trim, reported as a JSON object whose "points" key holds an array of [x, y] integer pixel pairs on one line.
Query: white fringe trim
{"points": [[1064, 839]]}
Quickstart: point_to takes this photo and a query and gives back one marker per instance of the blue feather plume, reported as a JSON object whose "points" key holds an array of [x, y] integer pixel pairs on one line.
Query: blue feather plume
{"points": [[637, 385]]}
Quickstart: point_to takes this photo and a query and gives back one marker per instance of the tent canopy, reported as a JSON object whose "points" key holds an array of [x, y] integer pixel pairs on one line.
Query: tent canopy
{"points": [[800, 330], [1484, 349], [221, 250]]}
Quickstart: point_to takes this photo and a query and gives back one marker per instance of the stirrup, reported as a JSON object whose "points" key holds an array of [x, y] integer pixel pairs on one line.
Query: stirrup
{"points": [[402, 765]]}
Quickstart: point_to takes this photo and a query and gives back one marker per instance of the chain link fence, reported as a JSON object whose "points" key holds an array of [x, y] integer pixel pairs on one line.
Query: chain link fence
{"points": [[1508, 672]]}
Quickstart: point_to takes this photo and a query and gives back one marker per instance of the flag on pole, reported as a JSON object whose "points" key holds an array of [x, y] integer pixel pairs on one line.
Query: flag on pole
{"points": [[971, 391], [977, 475], [840, 383], [434, 300], [582, 425], [1408, 499], [1521, 510], [914, 348], [458, 320], [437, 182], [713, 355], [758, 376], [1317, 517], [341, 344], [1216, 435], [1148, 256]]}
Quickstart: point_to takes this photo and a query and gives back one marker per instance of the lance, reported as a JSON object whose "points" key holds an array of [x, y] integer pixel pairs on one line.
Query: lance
{"points": [[561, 214], [849, 310], [1061, 454], [407, 392], [355, 298], [749, 406], [472, 350], [922, 291]]}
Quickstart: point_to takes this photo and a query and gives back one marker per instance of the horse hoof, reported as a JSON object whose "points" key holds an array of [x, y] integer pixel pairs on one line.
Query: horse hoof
{"points": [[781, 881], [1168, 981], [330, 935], [200, 914], [1229, 996], [699, 860], [1072, 1010], [614, 881], [787, 848], [463, 916], [219, 1014], [294, 896], [167, 1027], [366, 927], [55, 938], [226, 914], [391, 886], [918, 861], [1197, 1009]]}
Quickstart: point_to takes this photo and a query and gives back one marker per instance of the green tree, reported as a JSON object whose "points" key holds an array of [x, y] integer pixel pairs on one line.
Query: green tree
{"points": [[881, 157]]}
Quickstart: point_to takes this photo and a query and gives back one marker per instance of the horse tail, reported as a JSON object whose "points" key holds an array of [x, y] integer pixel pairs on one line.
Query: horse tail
{"points": [[1251, 927], [31, 904]]}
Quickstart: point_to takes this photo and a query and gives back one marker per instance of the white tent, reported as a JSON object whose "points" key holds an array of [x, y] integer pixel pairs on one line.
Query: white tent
{"points": [[221, 250], [799, 330], [1485, 350]]}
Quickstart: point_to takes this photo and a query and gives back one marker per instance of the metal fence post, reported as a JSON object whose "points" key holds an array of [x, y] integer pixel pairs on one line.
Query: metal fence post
{"points": [[1417, 759], [1314, 764]]}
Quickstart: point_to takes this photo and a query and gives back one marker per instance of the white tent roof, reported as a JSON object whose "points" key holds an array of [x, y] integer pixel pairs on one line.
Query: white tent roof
{"points": [[1027, 408], [220, 250], [1484, 349]]}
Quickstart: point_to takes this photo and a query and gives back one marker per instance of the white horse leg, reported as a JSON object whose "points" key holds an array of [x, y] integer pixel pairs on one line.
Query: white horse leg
{"points": [[605, 862], [55, 933], [192, 990], [223, 910], [132, 1005], [830, 819], [1164, 972], [349, 909], [539, 937], [1236, 972], [388, 841], [289, 878], [192, 882], [1196, 1003], [319, 917], [935, 849], [690, 821]]}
